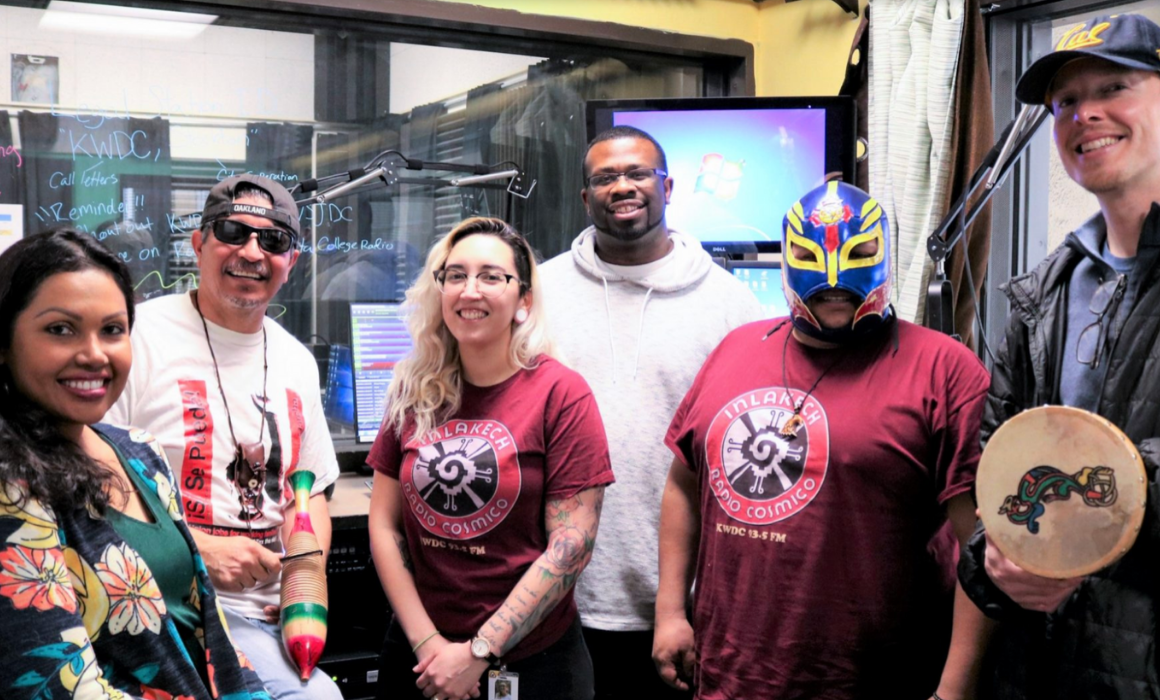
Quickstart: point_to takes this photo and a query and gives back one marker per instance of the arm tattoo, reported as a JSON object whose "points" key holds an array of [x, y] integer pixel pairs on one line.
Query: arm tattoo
{"points": [[404, 552], [572, 524]]}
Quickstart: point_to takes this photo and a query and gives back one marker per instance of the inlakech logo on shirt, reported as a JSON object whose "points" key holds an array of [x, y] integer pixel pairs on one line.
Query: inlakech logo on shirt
{"points": [[758, 475], [464, 478]]}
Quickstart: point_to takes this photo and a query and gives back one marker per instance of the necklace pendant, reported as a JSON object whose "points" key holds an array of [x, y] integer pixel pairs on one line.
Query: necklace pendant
{"points": [[791, 427]]}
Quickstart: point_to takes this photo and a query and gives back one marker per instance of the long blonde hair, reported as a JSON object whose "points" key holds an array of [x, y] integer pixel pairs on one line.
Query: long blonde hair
{"points": [[428, 383]]}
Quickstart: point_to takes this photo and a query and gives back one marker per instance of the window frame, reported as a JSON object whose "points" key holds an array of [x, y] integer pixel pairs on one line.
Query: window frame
{"points": [[1019, 235], [728, 63]]}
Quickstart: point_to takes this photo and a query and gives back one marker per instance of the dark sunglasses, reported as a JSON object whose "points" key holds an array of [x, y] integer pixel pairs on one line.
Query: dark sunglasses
{"points": [[271, 240]]}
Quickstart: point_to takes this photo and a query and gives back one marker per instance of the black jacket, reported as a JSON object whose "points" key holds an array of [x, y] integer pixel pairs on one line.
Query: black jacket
{"points": [[1103, 642]]}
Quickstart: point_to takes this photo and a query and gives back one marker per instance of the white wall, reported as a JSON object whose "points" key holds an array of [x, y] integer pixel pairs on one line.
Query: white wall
{"points": [[223, 71], [425, 74]]}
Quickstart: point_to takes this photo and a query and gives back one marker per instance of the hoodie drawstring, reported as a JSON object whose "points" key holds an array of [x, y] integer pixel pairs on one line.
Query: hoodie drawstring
{"points": [[640, 334]]}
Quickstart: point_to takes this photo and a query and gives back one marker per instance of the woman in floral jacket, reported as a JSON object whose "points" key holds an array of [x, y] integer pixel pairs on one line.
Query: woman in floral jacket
{"points": [[102, 591]]}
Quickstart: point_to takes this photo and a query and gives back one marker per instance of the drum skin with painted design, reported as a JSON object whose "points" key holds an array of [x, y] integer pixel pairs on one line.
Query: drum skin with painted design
{"points": [[1061, 491]]}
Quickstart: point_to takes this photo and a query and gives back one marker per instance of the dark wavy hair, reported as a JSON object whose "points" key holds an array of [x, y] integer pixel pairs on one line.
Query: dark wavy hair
{"points": [[33, 454]]}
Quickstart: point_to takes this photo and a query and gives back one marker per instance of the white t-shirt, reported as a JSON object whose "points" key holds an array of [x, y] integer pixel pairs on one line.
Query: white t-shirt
{"points": [[173, 393]]}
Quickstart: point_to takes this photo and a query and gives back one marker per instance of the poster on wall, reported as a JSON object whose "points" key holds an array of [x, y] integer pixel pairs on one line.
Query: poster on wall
{"points": [[35, 79], [11, 225]]}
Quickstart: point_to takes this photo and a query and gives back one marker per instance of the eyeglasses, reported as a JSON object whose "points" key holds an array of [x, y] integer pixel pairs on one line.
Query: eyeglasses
{"points": [[639, 176], [489, 283], [1094, 335], [271, 240]]}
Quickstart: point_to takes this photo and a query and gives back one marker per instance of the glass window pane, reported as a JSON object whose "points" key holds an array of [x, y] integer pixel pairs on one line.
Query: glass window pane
{"points": [[119, 120]]}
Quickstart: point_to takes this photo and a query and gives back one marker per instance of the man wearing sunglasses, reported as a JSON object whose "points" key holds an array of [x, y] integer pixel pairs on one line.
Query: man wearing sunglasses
{"points": [[636, 307], [234, 400], [1083, 331]]}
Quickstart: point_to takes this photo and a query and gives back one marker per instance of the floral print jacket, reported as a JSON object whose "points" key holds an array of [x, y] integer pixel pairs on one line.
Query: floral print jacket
{"points": [[81, 615]]}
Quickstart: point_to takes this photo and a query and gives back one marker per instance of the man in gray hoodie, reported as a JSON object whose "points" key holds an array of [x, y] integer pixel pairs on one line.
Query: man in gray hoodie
{"points": [[635, 308]]}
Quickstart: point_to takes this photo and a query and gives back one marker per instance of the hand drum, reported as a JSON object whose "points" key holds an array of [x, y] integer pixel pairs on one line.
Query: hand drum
{"points": [[1061, 491]]}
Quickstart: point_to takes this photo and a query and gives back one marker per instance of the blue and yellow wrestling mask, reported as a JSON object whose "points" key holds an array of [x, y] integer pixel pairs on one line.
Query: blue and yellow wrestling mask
{"points": [[820, 233]]}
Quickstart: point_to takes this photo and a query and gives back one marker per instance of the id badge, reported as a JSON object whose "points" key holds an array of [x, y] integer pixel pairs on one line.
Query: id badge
{"points": [[503, 685]]}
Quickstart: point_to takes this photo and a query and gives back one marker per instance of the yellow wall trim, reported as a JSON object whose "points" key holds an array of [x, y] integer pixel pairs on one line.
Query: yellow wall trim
{"points": [[800, 47]]}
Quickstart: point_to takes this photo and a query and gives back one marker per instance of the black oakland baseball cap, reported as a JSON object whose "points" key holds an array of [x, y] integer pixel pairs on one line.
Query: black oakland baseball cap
{"points": [[1128, 40], [220, 203]]}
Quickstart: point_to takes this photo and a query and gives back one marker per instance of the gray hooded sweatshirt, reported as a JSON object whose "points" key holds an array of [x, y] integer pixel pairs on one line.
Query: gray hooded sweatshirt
{"points": [[639, 342]]}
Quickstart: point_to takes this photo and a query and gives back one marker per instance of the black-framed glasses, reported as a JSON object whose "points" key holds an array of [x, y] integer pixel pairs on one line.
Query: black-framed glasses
{"points": [[639, 176], [489, 283], [271, 240], [1093, 337]]}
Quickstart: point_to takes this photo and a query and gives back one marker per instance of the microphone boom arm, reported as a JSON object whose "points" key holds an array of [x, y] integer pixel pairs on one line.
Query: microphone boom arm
{"points": [[995, 167]]}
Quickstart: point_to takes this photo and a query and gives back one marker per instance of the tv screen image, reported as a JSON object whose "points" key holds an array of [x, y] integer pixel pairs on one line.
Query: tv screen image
{"points": [[739, 164], [379, 338], [764, 279], [736, 180], [338, 404]]}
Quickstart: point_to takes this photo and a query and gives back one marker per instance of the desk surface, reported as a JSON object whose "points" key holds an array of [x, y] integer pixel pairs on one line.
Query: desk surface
{"points": [[351, 500]]}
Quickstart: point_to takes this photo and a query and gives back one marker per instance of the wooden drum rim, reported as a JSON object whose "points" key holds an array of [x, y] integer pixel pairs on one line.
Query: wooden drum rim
{"points": [[1061, 491]]}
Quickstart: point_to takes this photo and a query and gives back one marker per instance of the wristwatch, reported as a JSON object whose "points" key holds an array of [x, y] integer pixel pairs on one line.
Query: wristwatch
{"points": [[481, 649]]}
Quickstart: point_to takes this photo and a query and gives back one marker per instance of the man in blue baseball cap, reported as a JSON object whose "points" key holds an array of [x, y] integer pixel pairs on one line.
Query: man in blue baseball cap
{"points": [[1083, 332]]}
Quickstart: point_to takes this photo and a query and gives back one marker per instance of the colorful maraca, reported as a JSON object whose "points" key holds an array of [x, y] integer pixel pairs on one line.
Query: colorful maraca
{"points": [[303, 583]]}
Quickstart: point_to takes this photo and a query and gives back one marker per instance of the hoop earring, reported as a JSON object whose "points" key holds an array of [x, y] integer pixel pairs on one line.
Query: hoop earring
{"points": [[521, 315]]}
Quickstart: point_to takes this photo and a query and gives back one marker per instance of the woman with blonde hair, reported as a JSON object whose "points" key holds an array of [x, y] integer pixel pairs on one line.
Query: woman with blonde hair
{"points": [[491, 466]]}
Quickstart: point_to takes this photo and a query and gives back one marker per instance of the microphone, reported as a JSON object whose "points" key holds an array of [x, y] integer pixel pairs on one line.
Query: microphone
{"points": [[381, 171], [1029, 114], [477, 179]]}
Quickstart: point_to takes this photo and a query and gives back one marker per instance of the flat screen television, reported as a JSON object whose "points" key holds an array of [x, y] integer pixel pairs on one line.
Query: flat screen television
{"points": [[378, 339], [739, 163], [764, 279]]}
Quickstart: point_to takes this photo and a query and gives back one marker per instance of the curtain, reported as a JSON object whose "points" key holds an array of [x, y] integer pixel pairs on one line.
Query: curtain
{"points": [[972, 135], [417, 202], [915, 48], [541, 127], [484, 104], [39, 136], [282, 152], [856, 84], [279, 151], [544, 129], [11, 165], [151, 190]]}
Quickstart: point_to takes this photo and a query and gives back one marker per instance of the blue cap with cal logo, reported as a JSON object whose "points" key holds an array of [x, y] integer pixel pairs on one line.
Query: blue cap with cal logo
{"points": [[1128, 40]]}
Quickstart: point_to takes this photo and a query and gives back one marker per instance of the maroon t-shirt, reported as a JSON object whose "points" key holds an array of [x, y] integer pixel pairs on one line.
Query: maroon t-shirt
{"points": [[476, 488], [816, 576]]}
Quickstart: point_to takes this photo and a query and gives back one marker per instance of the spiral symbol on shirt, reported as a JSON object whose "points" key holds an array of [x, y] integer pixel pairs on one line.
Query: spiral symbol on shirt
{"points": [[456, 476], [764, 448], [760, 462]]}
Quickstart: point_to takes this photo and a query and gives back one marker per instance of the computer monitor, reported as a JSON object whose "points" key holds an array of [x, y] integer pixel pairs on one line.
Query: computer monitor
{"points": [[378, 339], [338, 404], [739, 163], [764, 278]]}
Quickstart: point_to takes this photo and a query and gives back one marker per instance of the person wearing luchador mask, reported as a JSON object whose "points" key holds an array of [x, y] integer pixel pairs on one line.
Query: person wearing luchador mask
{"points": [[818, 459]]}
